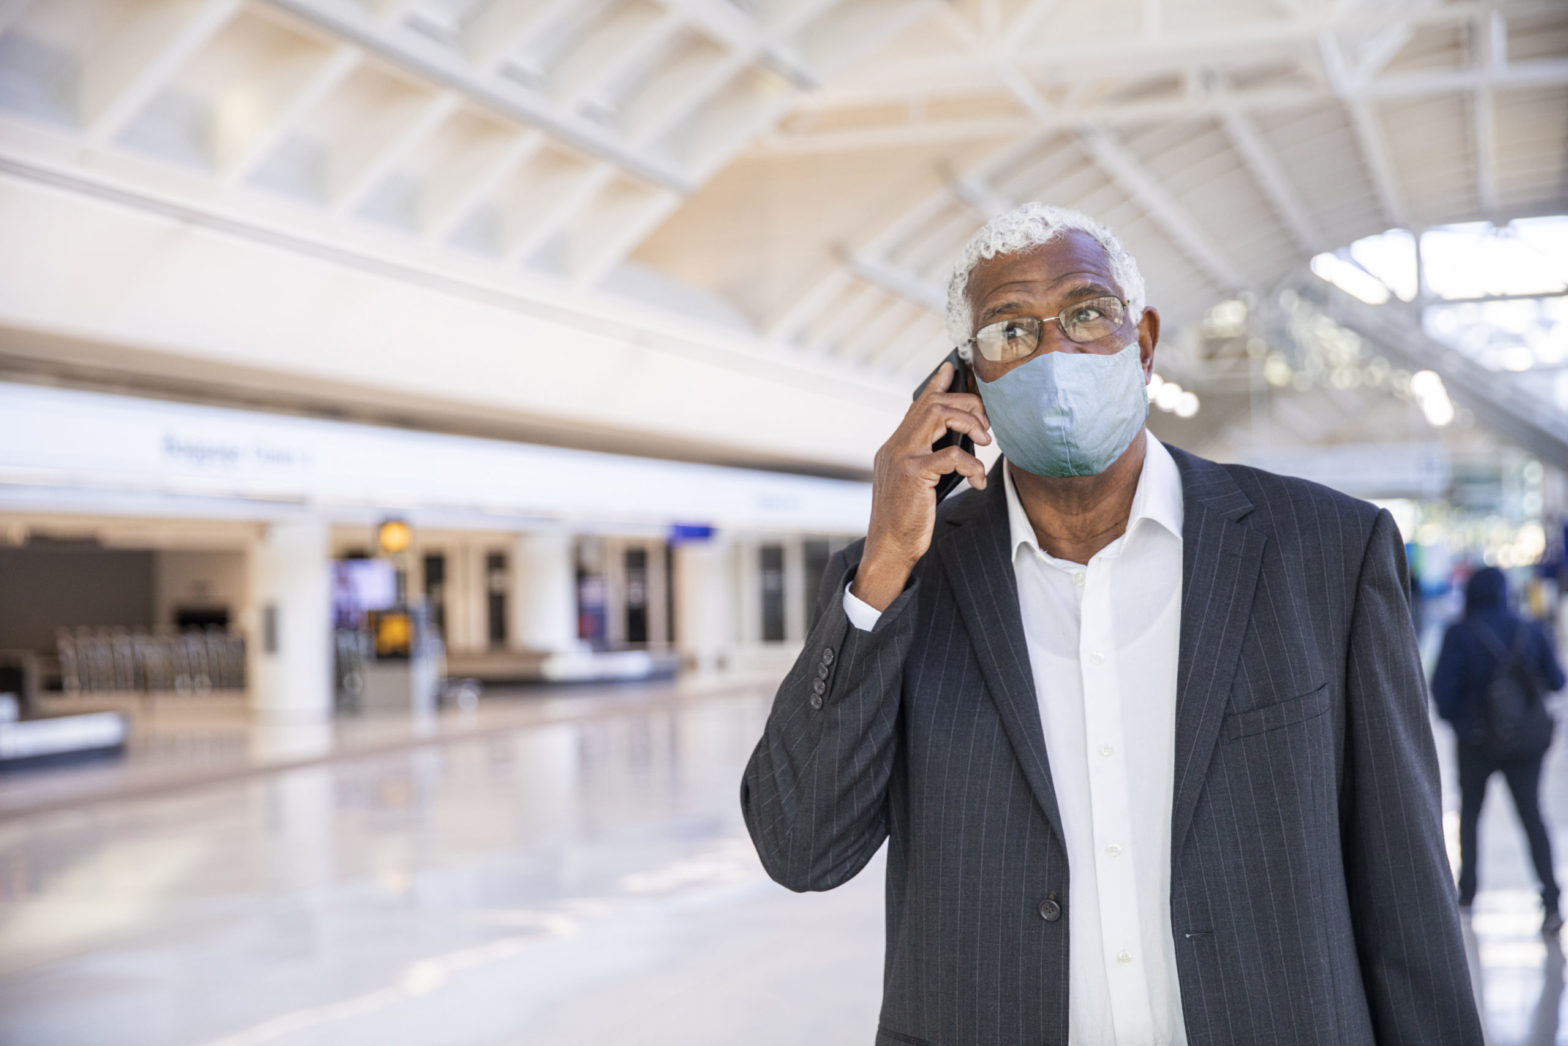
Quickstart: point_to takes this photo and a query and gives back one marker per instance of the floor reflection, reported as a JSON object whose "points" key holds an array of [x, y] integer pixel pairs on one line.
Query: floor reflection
{"points": [[574, 880]]}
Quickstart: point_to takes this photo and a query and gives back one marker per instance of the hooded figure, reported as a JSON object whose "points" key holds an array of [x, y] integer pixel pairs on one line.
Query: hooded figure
{"points": [[1465, 668]]}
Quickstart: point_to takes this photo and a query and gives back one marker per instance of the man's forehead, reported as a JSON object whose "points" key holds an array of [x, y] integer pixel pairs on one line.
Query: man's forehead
{"points": [[1071, 254]]}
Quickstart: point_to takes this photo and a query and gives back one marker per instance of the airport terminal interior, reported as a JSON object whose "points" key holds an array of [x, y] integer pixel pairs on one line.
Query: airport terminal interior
{"points": [[424, 426]]}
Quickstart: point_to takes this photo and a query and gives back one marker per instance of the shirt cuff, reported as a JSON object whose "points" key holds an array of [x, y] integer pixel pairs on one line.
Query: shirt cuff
{"points": [[862, 615]]}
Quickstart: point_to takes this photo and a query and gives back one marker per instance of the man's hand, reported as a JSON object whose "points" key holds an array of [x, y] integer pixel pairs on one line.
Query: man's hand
{"points": [[903, 485]]}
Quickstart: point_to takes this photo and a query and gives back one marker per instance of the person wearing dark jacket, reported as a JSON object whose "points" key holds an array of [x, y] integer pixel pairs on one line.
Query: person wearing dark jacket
{"points": [[1466, 665]]}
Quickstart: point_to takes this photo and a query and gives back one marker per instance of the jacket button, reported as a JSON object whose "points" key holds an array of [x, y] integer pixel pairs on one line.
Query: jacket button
{"points": [[822, 671], [827, 655], [1050, 911], [816, 701], [819, 688]]}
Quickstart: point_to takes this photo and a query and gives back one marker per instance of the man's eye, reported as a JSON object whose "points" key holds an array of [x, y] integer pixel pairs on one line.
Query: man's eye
{"points": [[1013, 329], [1087, 314]]}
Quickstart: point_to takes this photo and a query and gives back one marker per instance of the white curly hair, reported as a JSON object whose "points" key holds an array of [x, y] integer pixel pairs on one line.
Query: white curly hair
{"points": [[1021, 229]]}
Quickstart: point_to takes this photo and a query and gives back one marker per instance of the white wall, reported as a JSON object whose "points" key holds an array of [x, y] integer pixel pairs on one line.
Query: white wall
{"points": [[168, 296]]}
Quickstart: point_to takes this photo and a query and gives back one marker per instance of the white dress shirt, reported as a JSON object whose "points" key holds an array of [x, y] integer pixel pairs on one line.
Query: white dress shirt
{"points": [[1102, 647]]}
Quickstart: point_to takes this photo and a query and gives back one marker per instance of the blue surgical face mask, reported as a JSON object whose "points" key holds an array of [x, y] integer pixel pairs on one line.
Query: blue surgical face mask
{"points": [[1068, 413]]}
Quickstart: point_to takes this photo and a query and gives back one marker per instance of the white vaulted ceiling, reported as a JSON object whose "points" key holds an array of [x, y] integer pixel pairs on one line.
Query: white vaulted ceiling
{"points": [[798, 174]]}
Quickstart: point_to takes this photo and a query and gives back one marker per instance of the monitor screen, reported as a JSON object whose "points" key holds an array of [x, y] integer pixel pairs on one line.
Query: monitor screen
{"points": [[361, 585]]}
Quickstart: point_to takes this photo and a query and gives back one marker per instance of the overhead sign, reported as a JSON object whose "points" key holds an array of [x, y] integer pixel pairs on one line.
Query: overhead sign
{"points": [[59, 447]]}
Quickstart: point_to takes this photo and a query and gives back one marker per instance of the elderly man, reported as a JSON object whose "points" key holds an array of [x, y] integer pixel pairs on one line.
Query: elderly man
{"points": [[1146, 734]]}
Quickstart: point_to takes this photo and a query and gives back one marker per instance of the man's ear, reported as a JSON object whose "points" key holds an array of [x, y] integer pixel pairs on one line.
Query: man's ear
{"points": [[1148, 338]]}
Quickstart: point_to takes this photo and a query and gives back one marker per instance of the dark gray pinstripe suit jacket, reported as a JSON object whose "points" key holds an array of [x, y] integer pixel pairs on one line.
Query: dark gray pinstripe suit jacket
{"points": [[1311, 900]]}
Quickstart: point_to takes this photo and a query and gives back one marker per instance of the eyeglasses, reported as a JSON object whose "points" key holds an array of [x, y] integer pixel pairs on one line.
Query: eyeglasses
{"points": [[1083, 321]]}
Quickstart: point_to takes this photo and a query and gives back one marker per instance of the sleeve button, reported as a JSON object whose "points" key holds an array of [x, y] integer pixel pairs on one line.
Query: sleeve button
{"points": [[816, 701], [827, 655], [819, 688]]}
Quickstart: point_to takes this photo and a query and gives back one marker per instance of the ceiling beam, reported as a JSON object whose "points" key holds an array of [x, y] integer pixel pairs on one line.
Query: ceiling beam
{"points": [[919, 340], [979, 81], [135, 66], [1271, 178], [1118, 161], [824, 288], [705, 86], [1484, 130], [376, 167], [862, 262], [871, 337], [501, 28], [899, 283], [730, 26], [486, 88], [1245, 41], [615, 248], [444, 217], [978, 196], [561, 211], [899, 135], [1024, 24], [1006, 70], [1490, 37], [829, 338], [613, 59], [1540, 72], [1381, 48], [304, 100], [1369, 136]]}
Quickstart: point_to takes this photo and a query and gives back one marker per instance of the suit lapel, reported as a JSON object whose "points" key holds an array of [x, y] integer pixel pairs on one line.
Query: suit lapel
{"points": [[1221, 559], [978, 562]]}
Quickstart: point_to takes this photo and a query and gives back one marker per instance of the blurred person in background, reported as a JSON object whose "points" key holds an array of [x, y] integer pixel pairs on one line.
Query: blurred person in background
{"points": [[1146, 734], [1476, 650]]}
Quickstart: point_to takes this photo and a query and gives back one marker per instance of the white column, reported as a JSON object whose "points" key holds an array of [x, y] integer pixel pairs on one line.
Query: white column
{"points": [[288, 624], [659, 583], [796, 591], [746, 583], [544, 592], [615, 592], [465, 596], [705, 630]]}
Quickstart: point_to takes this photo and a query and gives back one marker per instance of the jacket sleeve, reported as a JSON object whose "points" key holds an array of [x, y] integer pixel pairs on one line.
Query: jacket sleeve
{"points": [[1402, 896], [1550, 671], [814, 794]]}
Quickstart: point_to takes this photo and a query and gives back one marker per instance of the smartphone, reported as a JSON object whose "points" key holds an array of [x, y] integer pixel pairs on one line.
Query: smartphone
{"points": [[960, 383]]}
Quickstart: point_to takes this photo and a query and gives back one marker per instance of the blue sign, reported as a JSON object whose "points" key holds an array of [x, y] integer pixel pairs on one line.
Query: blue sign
{"points": [[684, 533]]}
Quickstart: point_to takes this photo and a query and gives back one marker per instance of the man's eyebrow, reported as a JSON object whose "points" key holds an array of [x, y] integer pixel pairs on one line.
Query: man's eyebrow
{"points": [[1088, 289], [998, 309]]}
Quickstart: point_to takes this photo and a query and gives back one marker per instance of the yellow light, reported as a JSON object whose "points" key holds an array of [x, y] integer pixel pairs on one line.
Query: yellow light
{"points": [[394, 535]]}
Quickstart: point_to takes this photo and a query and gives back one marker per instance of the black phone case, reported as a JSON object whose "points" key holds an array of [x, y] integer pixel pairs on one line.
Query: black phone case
{"points": [[960, 383]]}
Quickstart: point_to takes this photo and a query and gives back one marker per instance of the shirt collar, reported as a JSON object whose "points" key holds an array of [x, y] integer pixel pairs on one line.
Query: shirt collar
{"points": [[1157, 499]]}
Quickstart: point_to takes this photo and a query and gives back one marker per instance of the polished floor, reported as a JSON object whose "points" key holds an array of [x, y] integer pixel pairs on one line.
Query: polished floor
{"points": [[559, 869]]}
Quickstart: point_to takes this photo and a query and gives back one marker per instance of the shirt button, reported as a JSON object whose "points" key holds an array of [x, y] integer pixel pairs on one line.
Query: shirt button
{"points": [[1078, 579], [1124, 957], [1114, 850], [1097, 658], [1107, 751]]}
